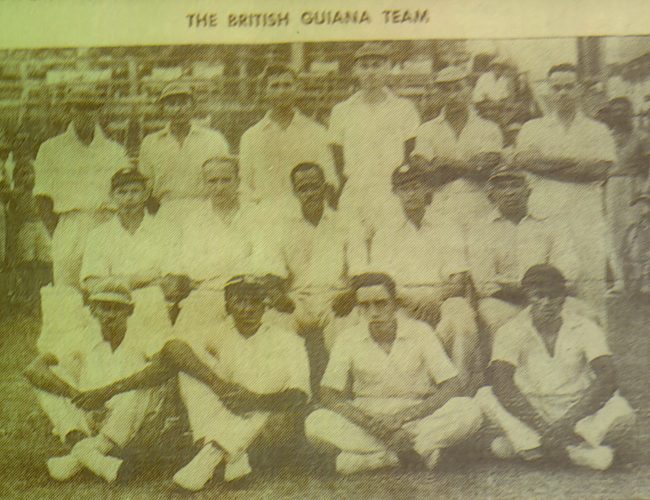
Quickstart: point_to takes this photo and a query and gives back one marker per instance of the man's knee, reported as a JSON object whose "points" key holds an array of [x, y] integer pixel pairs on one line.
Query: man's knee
{"points": [[315, 423], [466, 410]]}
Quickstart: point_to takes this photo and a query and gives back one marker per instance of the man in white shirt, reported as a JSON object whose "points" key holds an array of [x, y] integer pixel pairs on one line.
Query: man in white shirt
{"points": [[569, 156], [494, 85], [389, 390], [233, 376], [554, 390], [73, 173], [508, 241], [271, 148], [172, 158], [372, 132], [461, 149], [107, 350], [425, 255]]}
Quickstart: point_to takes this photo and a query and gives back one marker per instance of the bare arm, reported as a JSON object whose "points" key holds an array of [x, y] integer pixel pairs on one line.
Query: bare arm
{"points": [[38, 374], [563, 169], [339, 161], [503, 385], [45, 207]]}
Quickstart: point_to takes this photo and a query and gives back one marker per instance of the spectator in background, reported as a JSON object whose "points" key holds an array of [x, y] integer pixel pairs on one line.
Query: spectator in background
{"points": [[625, 180], [172, 158], [460, 149], [73, 175], [569, 156], [283, 139], [32, 245], [496, 86], [371, 133]]}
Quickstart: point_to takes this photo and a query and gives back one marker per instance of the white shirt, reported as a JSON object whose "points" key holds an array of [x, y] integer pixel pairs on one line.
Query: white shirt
{"points": [[270, 361], [174, 169], [489, 87], [416, 363], [372, 137], [555, 382], [500, 250], [76, 176], [425, 256], [317, 256], [209, 248], [585, 139], [112, 251], [268, 154]]}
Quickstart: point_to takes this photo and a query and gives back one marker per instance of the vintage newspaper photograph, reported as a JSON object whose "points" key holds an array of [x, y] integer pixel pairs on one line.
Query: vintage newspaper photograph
{"points": [[331, 250]]}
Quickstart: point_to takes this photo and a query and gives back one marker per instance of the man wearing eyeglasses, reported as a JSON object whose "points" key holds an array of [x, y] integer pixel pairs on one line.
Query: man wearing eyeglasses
{"points": [[460, 149], [569, 156], [554, 392]]}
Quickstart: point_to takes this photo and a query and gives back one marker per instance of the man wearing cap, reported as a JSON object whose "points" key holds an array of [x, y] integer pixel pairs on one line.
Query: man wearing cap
{"points": [[371, 132], [390, 393], [460, 149], [281, 140], [233, 375], [624, 180], [425, 255], [318, 247], [569, 156], [106, 351], [509, 240], [172, 158], [73, 174], [554, 392]]}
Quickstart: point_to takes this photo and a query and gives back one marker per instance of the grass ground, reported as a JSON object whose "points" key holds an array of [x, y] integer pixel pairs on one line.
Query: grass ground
{"points": [[25, 443]]}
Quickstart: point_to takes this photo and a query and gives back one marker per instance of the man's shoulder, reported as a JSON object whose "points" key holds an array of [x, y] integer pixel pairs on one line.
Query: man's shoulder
{"points": [[414, 329], [103, 231]]}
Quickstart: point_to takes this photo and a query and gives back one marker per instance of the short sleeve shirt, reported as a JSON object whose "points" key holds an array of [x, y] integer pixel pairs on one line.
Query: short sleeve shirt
{"points": [[174, 169], [537, 373], [76, 176], [416, 364]]}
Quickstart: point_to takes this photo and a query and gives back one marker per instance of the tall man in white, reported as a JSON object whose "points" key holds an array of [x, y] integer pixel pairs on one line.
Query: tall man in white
{"points": [[73, 174], [389, 389], [172, 158], [460, 148], [285, 137], [240, 372], [554, 390], [371, 133], [569, 156], [425, 255]]}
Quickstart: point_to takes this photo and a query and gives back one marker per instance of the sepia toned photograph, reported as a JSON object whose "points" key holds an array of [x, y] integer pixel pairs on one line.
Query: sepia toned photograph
{"points": [[392, 269]]}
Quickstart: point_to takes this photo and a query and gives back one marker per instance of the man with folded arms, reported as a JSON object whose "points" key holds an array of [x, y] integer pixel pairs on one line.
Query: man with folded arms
{"points": [[554, 390], [390, 392], [106, 352], [233, 376]]}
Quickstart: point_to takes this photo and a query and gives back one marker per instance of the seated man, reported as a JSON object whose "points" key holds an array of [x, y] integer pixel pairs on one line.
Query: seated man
{"points": [[389, 390], [426, 257], [234, 376], [98, 358], [554, 388]]}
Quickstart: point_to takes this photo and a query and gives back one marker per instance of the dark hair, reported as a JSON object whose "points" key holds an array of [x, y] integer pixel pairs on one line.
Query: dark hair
{"points": [[543, 276], [374, 279], [275, 70], [304, 167], [562, 67], [232, 161]]}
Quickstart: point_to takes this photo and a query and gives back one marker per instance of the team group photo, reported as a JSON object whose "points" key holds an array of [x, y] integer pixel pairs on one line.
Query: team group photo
{"points": [[382, 269]]}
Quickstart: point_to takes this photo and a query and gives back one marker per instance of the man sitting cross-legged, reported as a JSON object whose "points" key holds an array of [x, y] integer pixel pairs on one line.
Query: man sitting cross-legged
{"points": [[104, 352], [389, 390], [233, 376], [554, 389]]}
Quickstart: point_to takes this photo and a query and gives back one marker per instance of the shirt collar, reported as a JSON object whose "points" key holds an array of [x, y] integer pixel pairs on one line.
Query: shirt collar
{"points": [[358, 96], [402, 330], [268, 122], [99, 135], [194, 129]]}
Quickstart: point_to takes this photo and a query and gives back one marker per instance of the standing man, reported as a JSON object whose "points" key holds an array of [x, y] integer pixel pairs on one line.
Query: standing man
{"points": [[233, 376], [371, 133], [172, 158], [624, 181], [554, 390], [569, 157], [460, 149], [73, 174], [281, 140], [426, 257], [106, 352], [389, 391]]}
